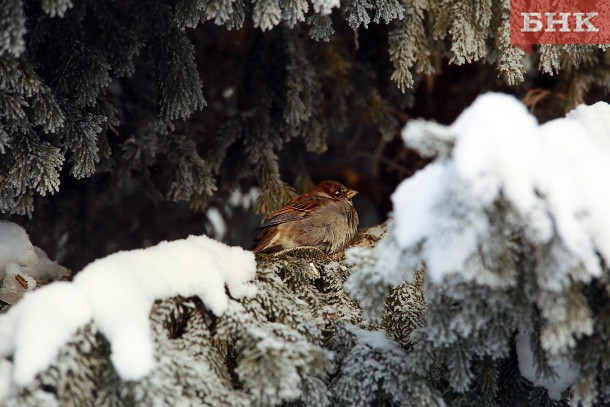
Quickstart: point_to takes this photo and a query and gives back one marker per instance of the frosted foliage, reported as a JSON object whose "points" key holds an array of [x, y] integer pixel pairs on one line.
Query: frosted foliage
{"points": [[469, 28], [369, 281], [324, 7], [267, 14], [12, 28], [292, 357], [512, 223], [510, 63], [56, 7], [321, 27], [117, 293], [356, 13], [178, 82], [549, 59], [388, 10], [220, 11], [549, 174], [373, 371], [408, 46], [82, 137], [4, 140], [187, 367], [294, 11]]}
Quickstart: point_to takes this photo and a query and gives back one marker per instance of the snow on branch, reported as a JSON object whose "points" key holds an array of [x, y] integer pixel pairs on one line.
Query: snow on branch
{"points": [[551, 174], [512, 223], [117, 293], [22, 265]]}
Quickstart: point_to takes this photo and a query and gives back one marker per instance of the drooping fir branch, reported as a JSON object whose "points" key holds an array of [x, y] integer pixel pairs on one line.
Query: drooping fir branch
{"points": [[56, 92]]}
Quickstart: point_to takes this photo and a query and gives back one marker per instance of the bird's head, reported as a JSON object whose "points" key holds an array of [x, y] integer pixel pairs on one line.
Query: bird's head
{"points": [[334, 190]]}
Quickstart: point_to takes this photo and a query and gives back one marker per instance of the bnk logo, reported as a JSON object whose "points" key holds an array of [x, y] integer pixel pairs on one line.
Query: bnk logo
{"points": [[559, 22], [532, 22]]}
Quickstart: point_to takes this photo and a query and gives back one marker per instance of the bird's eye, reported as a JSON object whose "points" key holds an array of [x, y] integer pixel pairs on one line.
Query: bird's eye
{"points": [[338, 193]]}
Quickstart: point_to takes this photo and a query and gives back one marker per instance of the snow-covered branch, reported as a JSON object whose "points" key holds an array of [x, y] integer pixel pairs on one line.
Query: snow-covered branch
{"points": [[117, 293], [512, 222]]}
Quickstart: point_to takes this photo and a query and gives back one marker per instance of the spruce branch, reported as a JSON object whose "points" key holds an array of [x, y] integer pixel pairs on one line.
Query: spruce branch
{"points": [[12, 28], [321, 27], [267, 14]]}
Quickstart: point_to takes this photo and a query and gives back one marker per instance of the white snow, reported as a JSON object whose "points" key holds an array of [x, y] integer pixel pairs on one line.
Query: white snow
{"points": [[14, 286], [552, 174], [5, 378], [245, 200], [45, 268], [565, 372], [37, 326], [16, 251], [117, 293], [22, 264], [374, 339], [219, 226], [325, 7], [239, 200], [554, 179]]}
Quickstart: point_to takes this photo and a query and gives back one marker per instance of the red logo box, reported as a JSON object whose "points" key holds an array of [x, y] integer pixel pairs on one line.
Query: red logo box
{"points": [[559, 22]]}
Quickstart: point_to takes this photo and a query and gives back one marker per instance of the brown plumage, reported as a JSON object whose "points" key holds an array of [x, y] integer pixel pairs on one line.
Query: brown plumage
{"points": [[323, 218]]}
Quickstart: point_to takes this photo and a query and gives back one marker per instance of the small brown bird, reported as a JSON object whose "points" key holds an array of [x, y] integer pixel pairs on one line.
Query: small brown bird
{"points": [[324, 218]]}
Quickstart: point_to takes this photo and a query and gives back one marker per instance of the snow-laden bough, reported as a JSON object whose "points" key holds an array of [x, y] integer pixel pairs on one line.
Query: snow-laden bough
{"points": [[116, 293]]}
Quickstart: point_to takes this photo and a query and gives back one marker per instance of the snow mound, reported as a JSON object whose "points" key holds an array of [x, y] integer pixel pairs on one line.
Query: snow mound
{"points": [[117, 293], [16, 251], [22, 265], [552, 174]]}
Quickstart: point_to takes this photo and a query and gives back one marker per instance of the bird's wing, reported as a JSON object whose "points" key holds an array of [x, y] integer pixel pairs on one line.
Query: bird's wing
{"points": [[299, 208]]}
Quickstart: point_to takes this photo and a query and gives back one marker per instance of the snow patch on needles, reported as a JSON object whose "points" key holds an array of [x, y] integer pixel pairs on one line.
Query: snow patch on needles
{"points": [[512, 220], [22, 265], [552, 174], [565, 372], [325, 7], [39, 324], [16, 251], [117, 293]]}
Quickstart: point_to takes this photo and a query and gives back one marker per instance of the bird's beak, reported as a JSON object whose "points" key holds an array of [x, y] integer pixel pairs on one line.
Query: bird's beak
{"points": [[351, 193]]}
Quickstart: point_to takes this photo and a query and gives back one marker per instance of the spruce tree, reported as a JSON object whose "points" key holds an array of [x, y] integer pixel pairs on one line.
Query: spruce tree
{"points": [[108, 89], [107, 106]]}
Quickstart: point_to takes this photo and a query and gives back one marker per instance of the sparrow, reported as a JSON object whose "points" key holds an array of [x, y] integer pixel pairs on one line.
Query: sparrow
{"points": [[324, 218]]}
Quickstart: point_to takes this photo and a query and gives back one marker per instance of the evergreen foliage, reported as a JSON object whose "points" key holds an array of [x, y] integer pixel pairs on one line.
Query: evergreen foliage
{"points": [[84, 83], [521, 288], [185, 100], [300, 340]]}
